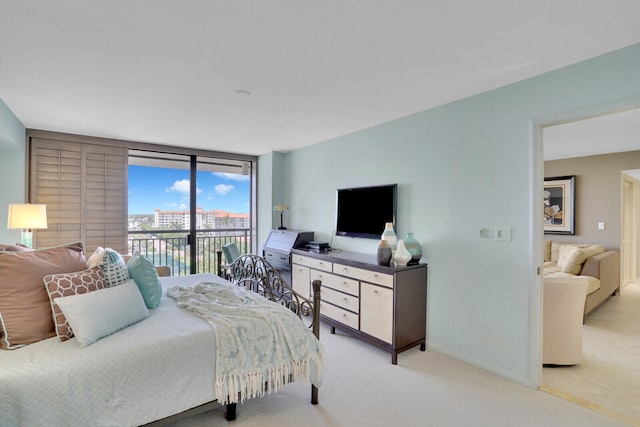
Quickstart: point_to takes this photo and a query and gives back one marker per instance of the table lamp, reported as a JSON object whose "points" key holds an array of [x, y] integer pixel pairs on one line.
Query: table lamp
{"points": [[281, 208], [27, 217]]}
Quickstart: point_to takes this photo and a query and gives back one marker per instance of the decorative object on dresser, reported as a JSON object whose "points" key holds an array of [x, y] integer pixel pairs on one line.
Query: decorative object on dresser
{"points": [[281, 208], [383, 253], [413, 246], [27, 217], [402, 255], [384, 306], [389, 235]]}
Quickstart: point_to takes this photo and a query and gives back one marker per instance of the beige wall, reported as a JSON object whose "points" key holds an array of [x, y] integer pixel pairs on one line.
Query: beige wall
{"points": [[598, 194]]}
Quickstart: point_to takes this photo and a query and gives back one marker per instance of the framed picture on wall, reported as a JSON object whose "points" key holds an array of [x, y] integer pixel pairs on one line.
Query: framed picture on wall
{"points": [[559, 205]]}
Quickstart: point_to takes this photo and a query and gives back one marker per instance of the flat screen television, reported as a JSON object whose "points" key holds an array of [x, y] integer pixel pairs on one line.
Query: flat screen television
{"points": [[364, 211]]}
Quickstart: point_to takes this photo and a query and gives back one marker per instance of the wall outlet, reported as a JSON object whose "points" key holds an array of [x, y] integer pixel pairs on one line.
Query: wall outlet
{"points": [[601, 226]]}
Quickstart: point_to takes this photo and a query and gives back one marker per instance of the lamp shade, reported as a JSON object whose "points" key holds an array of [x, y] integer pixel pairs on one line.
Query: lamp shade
{"points": [[27, 216]]}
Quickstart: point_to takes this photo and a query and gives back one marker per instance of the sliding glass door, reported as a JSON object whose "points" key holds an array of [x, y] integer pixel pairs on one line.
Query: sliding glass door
{"points": [[223, 208], [184, 208]]}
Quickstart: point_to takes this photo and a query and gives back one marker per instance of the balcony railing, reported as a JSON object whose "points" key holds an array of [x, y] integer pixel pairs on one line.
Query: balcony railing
{"points": [[169, 247]]}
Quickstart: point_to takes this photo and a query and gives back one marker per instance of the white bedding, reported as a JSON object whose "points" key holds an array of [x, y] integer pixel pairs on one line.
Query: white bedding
{"points": [[262, 346], [52, 383]]}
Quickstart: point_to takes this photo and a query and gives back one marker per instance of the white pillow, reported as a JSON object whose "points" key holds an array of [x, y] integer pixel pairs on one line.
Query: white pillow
{"points": [[97, 314], [96, 258]]}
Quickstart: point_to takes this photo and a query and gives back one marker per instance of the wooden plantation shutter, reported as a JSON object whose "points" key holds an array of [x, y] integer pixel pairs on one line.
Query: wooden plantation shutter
{"points": [[84, 185]]}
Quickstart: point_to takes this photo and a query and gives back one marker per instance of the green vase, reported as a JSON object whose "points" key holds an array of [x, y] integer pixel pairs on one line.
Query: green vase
{"points": [[413, 246]]}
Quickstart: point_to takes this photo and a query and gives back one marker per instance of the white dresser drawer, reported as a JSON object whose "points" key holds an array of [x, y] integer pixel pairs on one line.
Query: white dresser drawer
{"points": [[311, 262], [345, 301], [343, 316], [364, 275], [342, 284]]}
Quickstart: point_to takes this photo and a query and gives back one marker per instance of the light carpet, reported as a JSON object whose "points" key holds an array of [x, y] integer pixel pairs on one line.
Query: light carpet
{"points": [[608, 378], [361, 387]]}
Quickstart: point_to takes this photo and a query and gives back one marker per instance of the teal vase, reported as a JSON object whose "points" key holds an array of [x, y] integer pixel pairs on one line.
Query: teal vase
{"points": [[414, 247]]}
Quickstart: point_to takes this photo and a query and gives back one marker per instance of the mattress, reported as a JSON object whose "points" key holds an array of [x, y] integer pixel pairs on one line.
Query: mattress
{"points": [[158, 367]]}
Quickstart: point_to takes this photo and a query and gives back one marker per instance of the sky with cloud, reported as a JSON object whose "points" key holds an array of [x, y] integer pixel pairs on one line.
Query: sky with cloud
{"points": [[168, 190]]}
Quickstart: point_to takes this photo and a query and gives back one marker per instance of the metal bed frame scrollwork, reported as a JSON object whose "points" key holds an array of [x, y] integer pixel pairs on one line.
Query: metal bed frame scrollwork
{"points": [[256, 274]]}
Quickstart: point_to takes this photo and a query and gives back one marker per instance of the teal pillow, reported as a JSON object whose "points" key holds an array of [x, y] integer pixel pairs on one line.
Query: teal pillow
{"points": [[144, 273]]}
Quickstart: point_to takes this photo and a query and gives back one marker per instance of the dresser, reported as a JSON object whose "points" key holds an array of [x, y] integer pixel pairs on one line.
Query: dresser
{"points": [[384, 306]]}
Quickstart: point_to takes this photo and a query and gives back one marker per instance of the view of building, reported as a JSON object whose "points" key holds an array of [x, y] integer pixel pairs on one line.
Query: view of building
{"points": [[214, 219]]}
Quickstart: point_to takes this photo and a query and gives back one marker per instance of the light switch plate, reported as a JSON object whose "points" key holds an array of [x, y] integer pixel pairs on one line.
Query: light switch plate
{"points": [[601, 226], [503, 234]]}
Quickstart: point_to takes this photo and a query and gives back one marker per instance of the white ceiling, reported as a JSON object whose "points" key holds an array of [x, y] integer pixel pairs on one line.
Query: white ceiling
{"points": [[615, 132], [178, 72]]}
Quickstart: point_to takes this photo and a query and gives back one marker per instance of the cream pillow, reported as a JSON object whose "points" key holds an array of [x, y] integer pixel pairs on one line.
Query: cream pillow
{"points": [[555, 250], [574, 261], [565, 252], [547, 250], [96, 258]]}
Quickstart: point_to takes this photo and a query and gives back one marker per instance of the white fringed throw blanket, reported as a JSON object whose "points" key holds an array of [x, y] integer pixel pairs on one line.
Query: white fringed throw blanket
{"points": [[261, 345]]}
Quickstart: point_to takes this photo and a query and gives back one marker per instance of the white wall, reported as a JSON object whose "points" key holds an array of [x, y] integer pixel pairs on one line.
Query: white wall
{"points": [[270, 193], [464, 166], [12, 165]]}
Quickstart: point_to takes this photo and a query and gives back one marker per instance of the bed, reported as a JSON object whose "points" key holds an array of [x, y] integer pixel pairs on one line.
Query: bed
{"points": [[153, 371]]}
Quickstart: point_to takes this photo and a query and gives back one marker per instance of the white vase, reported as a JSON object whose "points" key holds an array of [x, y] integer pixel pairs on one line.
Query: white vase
{"points": [[402, 256], [390, 236]]}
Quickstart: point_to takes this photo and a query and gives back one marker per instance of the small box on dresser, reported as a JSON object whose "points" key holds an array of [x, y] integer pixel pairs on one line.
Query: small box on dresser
{"points": [[385, 306]]}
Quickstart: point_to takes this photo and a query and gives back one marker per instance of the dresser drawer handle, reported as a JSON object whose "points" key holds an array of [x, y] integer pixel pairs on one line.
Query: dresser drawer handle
{"points": [[345, 300]]}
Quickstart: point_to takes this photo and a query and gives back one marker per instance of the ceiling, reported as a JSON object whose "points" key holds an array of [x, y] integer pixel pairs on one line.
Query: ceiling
{"points": [[253, 77]]}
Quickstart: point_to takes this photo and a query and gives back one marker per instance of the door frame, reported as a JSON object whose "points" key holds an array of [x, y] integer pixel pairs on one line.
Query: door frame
{"points": [[536, 233], [630, 218]]}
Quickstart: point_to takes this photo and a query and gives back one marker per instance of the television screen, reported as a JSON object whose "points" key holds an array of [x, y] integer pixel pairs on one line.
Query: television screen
{"points": [[363, 212]]}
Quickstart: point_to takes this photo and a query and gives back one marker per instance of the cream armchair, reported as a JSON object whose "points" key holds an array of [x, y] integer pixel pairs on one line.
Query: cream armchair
{"points": [[563, 309]]}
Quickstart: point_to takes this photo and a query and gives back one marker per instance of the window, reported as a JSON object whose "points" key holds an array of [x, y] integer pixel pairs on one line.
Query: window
{"points": [[84, 181], [166, 209]]}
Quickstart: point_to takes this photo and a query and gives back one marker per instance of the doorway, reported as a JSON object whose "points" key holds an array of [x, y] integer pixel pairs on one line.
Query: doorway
{"points": [[624, 228], [630, 220]]}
